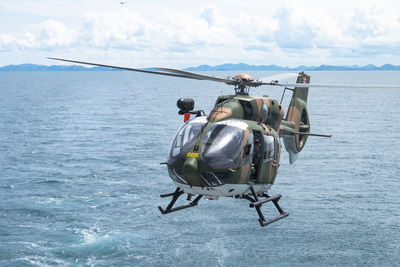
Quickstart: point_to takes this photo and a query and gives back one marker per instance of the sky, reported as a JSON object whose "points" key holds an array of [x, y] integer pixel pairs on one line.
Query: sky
{"points": [[181, 34]]}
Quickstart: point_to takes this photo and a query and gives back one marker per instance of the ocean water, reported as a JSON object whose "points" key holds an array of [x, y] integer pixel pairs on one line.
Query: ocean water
{"points": [[80, 176]]}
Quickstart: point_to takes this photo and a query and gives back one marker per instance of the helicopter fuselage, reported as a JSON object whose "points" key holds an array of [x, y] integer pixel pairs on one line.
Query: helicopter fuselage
{"points": [[236, 145]]}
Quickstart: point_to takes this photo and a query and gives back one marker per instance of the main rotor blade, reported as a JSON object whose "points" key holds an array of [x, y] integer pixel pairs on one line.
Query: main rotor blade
{"points": [[279, 77], [335, 85], [196, 75], [125, 68]]}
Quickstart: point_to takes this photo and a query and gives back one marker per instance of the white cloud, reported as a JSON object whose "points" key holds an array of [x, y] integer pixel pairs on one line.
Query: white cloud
{"points": [[123, 30], [291, 32], [209, 14], [53, 34], [47, 35]]}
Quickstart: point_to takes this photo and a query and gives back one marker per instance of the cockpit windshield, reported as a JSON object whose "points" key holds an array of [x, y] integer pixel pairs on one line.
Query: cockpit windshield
{"points": [[222, 144], [185, 138]]}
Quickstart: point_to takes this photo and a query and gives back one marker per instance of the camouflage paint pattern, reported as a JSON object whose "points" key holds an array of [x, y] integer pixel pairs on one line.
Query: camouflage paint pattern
{"points": [[297, 119]]}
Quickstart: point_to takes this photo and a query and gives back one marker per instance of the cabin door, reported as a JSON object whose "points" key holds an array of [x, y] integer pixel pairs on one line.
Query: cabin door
{"points": [[258, 155]]}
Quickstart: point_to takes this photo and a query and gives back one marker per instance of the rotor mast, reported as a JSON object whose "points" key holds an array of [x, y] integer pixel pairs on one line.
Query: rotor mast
{"points": [[242, 89]]}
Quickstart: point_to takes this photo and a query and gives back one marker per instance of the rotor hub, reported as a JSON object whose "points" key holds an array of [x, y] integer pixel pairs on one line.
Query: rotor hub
{"points": [[244, 77], [241, 85]]}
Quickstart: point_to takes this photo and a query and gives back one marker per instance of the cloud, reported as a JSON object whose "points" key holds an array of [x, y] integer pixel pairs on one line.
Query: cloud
{"points": [[7, 42], [209, 14], [126, 30], [47, 35], [257, 47], [252, 28], [293, 33], [53, 34], [212, 34], [123, 30]]}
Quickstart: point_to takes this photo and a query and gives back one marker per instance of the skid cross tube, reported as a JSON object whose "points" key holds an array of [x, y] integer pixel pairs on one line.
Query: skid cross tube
{"points": [[178, 192], [256, 203]]}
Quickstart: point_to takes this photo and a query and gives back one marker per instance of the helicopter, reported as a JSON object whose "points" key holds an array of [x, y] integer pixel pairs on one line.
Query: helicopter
{"points": [[235, 150]]}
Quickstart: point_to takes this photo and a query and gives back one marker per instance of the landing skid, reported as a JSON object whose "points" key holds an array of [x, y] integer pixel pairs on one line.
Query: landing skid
{"points": [[178, 192], [255, 203]]}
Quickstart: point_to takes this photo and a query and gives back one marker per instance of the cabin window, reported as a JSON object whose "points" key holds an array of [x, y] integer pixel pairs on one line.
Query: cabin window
{"points": [[269, 147], [247, 109]]}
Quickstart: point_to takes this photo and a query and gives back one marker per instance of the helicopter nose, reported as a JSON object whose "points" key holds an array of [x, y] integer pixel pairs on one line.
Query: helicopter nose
{"points": [[191, 171]]}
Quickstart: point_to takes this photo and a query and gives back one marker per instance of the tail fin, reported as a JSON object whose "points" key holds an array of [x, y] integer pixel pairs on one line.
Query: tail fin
{"points": [[297, 119]]}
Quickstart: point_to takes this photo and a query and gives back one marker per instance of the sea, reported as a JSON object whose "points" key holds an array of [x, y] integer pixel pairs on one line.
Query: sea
{"points": [[80, 176]]}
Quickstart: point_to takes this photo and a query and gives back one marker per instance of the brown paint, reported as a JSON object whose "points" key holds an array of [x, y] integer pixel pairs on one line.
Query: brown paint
{"points": [[244, 173], [270, 173], [220, 113], [259, 102], [294, 116], [243, 76], [246, 134]]}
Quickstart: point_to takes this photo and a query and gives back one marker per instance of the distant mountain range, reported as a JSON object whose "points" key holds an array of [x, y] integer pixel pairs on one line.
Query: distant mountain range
{"points": [[243, 66], [34, 67], [223, 67]]}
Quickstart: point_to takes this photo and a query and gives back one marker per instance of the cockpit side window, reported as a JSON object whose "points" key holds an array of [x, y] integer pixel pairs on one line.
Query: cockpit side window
{"points": [[269, 144]]}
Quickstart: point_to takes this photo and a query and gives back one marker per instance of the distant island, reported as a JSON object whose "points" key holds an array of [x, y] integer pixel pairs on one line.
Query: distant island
{"points": [[34, 67], [223, 67], [243, 66]]}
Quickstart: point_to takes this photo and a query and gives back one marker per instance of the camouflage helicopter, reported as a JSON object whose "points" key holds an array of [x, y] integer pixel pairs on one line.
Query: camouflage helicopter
{"points": [[235, 150]]}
